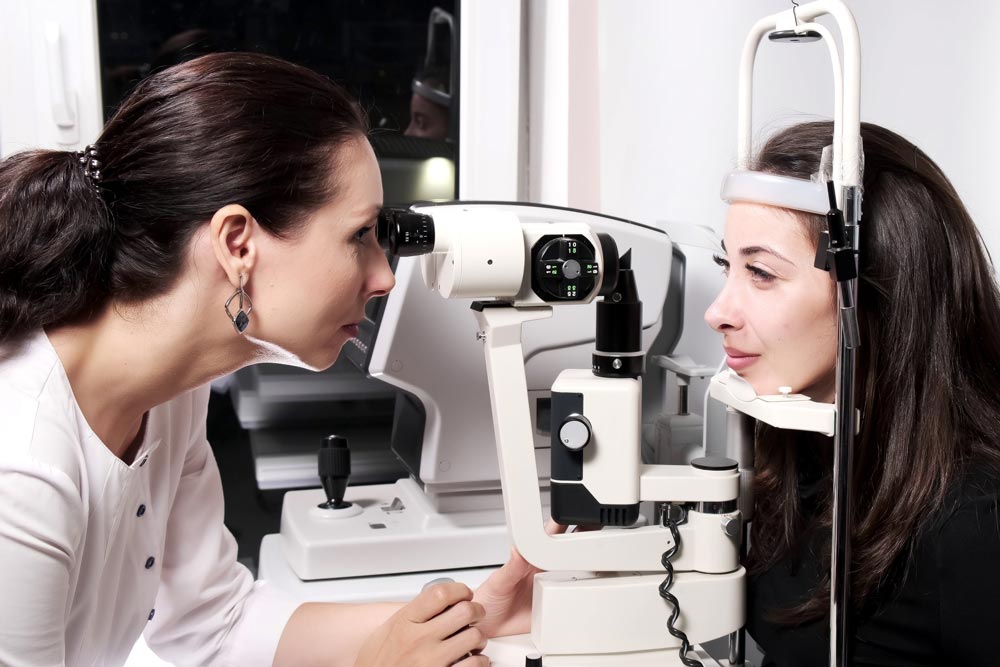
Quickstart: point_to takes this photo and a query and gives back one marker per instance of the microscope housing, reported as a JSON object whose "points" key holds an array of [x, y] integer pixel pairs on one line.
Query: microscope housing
{"points": [[427, 348]]}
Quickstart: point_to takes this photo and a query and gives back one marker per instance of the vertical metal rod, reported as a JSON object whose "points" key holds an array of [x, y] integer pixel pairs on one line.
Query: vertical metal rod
{"points": [[840, 565], [840, 583], [740, 447], [682, 396], [738, 648], [738, 639]]}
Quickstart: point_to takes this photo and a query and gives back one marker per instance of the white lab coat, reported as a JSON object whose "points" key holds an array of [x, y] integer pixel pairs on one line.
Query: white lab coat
{"points": [[90, 546]]}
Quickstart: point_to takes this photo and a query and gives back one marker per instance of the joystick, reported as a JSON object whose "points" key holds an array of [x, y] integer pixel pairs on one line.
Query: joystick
{"points": [[334, 470]]}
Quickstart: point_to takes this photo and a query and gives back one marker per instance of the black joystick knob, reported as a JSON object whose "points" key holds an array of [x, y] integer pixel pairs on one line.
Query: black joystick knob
{"points": [[334, 470]]}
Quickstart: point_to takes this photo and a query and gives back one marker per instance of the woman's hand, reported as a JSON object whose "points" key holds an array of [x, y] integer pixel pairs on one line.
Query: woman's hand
{"points": [[506, 595], [437, 629]]}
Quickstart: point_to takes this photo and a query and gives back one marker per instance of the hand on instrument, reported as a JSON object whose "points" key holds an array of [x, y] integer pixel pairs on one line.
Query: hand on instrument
{"points": [[437, 629], [506, 595]]}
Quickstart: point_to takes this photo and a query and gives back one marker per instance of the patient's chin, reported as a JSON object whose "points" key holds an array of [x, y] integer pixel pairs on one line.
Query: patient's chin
{"points": [[763, 386]]}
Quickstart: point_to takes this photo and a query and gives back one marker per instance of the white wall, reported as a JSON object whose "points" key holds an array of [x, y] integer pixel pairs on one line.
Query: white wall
{"points": [[668, 83], [930, 71]]}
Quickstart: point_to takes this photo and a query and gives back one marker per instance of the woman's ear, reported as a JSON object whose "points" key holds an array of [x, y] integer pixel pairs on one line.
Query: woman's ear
{"points": [[233, 232]]}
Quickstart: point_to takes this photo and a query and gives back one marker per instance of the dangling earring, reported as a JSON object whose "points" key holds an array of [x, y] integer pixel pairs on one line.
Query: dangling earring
{"points": [[242, 319]]}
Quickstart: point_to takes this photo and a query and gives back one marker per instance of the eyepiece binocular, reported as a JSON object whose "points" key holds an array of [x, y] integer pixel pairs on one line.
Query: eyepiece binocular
{"points": [[405, 233], [509, 253]]}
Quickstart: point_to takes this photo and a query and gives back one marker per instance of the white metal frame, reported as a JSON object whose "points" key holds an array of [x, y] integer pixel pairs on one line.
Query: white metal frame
{"points": [[847, 93]]}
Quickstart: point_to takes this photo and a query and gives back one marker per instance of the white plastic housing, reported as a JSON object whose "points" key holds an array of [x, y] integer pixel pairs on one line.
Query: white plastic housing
{"points": [[578, 612], [475, 255], [775, 190], [395, 530], [789, 411], [484, 252], [612, 459], [635, 550]]}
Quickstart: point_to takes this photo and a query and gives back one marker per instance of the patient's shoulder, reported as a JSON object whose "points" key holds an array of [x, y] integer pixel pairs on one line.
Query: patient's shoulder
{"points": [[969, 521]]}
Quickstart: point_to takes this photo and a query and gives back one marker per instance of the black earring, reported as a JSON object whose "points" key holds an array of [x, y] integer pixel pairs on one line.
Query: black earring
{"points": [[242, 319]]}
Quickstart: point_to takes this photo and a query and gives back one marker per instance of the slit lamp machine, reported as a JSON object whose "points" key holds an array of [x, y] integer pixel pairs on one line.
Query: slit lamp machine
{"points": [[641, 591]]}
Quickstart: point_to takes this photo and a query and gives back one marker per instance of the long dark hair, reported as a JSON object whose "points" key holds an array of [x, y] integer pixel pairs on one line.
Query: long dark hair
{"points": [[929, 314], [221, 129]]}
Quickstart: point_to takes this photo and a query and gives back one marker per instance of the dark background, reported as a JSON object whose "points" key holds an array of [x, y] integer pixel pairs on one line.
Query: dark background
{"points": [[371, 47]]}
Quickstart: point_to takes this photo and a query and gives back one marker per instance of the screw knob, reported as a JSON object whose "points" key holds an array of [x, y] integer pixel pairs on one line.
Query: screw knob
{"points": [[575, 432]]}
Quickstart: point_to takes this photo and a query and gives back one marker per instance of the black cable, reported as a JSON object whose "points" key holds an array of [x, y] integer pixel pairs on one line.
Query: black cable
{"points": [[665, 593]]}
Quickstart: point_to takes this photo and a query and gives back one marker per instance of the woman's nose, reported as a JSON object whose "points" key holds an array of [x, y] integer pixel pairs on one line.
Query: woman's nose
{"points": [[383, 279], [724, 313]]}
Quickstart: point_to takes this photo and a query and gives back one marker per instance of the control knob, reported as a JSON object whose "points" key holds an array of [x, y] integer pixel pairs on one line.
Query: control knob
{"points": [[575, 432]]}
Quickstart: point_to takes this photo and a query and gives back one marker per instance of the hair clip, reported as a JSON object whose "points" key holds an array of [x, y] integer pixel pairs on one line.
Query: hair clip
{"points": [[91, 166]]}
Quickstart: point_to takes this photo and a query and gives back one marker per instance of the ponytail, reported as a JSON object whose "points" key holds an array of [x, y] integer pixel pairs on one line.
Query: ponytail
{"points": [[55, 243], [220, 129]]}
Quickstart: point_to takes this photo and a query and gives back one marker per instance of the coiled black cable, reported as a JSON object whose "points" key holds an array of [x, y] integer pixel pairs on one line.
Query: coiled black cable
{"points": [[665, 593]]}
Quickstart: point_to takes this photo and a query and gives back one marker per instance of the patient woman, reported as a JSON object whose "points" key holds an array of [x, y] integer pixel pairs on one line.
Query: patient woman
{"points": [[224, 217], [926, 539]]}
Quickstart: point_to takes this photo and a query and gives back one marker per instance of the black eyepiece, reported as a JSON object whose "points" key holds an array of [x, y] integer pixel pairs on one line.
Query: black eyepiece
{"points": [[405, 233]]}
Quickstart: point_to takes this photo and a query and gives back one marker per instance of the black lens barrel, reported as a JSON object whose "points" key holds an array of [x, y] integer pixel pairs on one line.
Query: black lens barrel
{"points": [[618, 349], [405, 233]]}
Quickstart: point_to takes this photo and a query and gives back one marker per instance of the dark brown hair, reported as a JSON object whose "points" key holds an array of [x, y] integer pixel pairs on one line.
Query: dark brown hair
{"points": [[221, 129], [929, 315]]}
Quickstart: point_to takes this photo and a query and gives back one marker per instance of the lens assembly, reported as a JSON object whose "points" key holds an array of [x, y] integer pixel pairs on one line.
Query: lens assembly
{"points": [[404, 233], [565, 267]]}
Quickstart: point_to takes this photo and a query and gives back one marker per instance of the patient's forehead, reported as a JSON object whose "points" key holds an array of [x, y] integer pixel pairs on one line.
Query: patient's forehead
{"points": [[749, 224]]}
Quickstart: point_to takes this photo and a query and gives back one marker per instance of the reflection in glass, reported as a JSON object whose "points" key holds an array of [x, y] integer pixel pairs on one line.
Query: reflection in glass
{"points": [[394, 56]]}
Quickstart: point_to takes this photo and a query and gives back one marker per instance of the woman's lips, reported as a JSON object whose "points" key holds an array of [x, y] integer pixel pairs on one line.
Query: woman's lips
{"points": [[351, 329], [738, 360]]}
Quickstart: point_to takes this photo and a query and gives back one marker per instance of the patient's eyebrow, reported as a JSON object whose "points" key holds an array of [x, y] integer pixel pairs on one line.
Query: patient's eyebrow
{"points": [[757, 249]]}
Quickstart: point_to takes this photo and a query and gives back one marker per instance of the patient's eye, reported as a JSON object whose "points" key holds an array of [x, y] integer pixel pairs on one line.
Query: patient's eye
{"points": [[759, 274]]}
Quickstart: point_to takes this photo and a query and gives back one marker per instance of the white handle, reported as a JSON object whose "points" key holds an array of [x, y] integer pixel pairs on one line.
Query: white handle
{"points": [[63, 104]]}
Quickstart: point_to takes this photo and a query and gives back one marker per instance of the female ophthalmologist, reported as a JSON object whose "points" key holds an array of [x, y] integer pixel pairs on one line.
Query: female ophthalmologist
{"points": [[224, 217]]}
